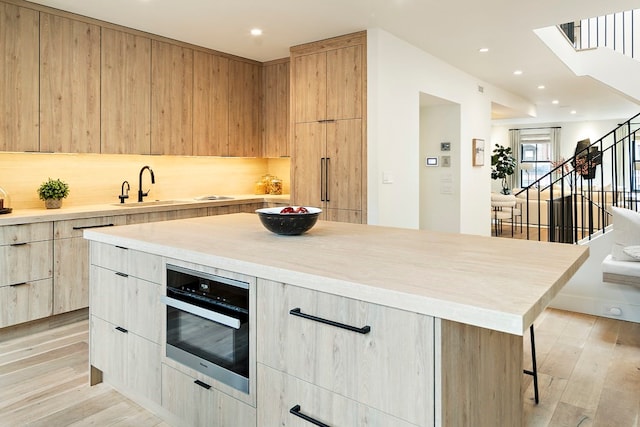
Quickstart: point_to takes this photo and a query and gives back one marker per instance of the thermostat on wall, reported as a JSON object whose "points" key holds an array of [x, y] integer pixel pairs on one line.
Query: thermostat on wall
{"points": [[432, 161]]}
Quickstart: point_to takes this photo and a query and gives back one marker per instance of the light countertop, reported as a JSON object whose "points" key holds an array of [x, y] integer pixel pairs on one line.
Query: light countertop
{"points": [[27, 216], [494, 283]]}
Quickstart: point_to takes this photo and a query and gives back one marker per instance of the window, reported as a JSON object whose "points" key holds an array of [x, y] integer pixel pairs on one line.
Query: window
{"points": [[536, 153]]}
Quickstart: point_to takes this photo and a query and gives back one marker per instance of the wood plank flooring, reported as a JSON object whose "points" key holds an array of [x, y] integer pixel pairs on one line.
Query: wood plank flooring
{"points": [[589, 375]]}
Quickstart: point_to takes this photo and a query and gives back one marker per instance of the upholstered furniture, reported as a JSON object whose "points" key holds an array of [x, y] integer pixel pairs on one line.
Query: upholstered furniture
{"points": [[503, 207], [622, 266]]}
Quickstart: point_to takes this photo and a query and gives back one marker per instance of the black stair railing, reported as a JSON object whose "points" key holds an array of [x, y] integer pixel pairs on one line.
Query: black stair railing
{"points": [[573, 201]]}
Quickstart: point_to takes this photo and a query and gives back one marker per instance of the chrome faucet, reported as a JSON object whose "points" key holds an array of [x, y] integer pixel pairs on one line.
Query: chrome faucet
{"points": [[124, 195], [141, 194]]}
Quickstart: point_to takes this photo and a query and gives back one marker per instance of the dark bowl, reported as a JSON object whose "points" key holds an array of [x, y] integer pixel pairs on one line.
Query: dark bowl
{"points": [[288, 224]]}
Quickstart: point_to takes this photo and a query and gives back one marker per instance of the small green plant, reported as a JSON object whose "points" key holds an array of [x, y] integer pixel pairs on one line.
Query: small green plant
{"points": [[502, 165], [53, 189]]}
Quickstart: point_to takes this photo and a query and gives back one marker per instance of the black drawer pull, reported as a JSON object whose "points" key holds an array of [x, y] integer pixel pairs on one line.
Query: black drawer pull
{"points": [[122, 274], [296, 411], [19, 244], [364, 330], [122, 247], [84, 227], [121, 329], [15, 285], [201, 384]]}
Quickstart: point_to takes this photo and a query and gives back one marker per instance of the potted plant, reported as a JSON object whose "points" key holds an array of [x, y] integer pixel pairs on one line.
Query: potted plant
{"points": [[503, 165], [52, 192]]}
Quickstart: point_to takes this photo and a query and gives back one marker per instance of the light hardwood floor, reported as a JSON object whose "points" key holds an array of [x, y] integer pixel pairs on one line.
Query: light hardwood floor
{"points": [[589, 374]]}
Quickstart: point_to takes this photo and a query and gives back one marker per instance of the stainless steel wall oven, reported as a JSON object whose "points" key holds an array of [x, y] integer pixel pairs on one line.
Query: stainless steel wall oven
{"points": [[208, 324]]}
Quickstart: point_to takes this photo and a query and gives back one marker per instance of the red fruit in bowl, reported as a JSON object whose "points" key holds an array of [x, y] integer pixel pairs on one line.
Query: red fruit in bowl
{"points": [[287, 210]]}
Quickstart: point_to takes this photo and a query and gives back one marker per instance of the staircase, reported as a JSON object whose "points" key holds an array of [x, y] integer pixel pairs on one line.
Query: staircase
{"points": [[577, 194]]}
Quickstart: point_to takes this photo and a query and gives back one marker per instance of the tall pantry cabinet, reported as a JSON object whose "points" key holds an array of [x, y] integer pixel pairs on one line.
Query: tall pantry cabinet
{"points": [[328, 124]]}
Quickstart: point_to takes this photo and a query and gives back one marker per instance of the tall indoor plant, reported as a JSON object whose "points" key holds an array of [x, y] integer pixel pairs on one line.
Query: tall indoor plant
{"points": [[503, 165]]}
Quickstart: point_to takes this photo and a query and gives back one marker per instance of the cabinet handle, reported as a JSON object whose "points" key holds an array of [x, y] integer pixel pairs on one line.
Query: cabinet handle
{"points": [[323, 168], [122, 274], [326, 180], [122, 247], [121, 329], [203, 385], [19, 244], [296, 411], [84, 227], [364, 330], [15, 285]]}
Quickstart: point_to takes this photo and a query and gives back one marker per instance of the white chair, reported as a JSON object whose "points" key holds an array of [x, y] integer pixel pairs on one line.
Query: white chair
{"points": [[504, 208]]}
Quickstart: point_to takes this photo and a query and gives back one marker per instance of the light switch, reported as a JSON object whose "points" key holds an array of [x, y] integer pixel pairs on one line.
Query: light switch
{"points": [[387, 177]]}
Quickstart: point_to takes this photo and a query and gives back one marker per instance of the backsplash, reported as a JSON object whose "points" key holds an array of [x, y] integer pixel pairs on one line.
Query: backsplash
{"points": [[97, 178]]}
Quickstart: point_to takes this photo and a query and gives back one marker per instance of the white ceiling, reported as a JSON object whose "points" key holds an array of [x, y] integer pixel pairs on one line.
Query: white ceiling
{"points": [[452, 30]]}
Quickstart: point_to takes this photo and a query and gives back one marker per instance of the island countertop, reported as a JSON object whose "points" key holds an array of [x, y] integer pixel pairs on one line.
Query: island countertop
{"points": [[493, 283]]}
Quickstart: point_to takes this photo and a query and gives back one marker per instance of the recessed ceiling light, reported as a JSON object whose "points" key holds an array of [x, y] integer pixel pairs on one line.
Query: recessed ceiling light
{"points": [[555, 102], [256, 32], [540, 86], [517, 72], [573, 111], [483, 50]]}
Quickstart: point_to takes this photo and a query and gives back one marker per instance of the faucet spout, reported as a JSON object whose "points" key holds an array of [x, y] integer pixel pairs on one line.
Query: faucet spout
{"points": [[124, 195], [141, 193]]}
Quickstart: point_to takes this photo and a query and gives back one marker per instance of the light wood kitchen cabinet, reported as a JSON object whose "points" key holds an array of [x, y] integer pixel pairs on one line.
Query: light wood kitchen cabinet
{"points": [[245, 109], [71, 261], [26, 253], [125, 93], [286, 394], [372, 363], [200, 405], [19, 40], [171, 99], [210, 104], [328, 121], [276, 108], [69, 85]]}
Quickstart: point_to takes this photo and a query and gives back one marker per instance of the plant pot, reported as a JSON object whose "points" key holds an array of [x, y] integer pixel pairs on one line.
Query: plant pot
{"points": [[53, 203]]}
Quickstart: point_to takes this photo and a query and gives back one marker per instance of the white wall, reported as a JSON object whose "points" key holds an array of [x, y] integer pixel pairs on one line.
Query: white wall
{"points": [[439, 186], [397, 73]]}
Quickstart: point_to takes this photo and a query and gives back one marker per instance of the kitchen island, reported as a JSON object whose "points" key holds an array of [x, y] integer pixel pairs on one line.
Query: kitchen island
{"points": [[445, 316]]}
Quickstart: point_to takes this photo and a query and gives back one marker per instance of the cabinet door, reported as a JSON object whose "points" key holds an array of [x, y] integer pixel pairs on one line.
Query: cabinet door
{"points": [[279, 393], [19, 40], [345, 78], [245, 115], [71, 274], [309, 80], [108, 350], [198, 406], [389, 368], [25, 301], [210, 105], [276, 110], [69, 85], [171, 99], [344, 165], [308, 164], [126, 88]]}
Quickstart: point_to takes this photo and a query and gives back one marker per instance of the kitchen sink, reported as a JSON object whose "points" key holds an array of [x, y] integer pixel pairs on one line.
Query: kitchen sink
{"points": [[214, 198], [149, 203]]}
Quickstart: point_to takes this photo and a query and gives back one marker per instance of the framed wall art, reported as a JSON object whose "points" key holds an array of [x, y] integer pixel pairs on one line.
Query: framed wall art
{"points": [[478, 152]]}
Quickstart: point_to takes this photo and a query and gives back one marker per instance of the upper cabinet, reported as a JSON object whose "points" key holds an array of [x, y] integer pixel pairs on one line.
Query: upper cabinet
{"points": [[245, 115], [69, 85], [210, 104], [171, 99], [126, 88], [275, 115], [18, 78]]}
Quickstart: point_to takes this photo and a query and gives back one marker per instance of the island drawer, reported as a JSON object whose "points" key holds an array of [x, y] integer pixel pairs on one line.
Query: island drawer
{"points": [[127, 261], [196, 403], [26, 262], [26, 301], [284, 400], [24, 233], [379, 356]]}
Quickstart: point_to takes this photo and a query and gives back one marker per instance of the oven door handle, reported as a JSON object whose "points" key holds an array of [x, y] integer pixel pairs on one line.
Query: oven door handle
{"points": [[214, 316]]}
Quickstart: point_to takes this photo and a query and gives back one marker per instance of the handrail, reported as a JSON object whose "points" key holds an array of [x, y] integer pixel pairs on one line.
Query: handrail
{"points": [[575, 205]]}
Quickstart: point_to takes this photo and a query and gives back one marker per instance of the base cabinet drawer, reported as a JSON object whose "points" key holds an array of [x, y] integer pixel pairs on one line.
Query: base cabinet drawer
{"points": [[284, 400], [25, 301], [26, 261], [196, 404], [379, 356]]}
